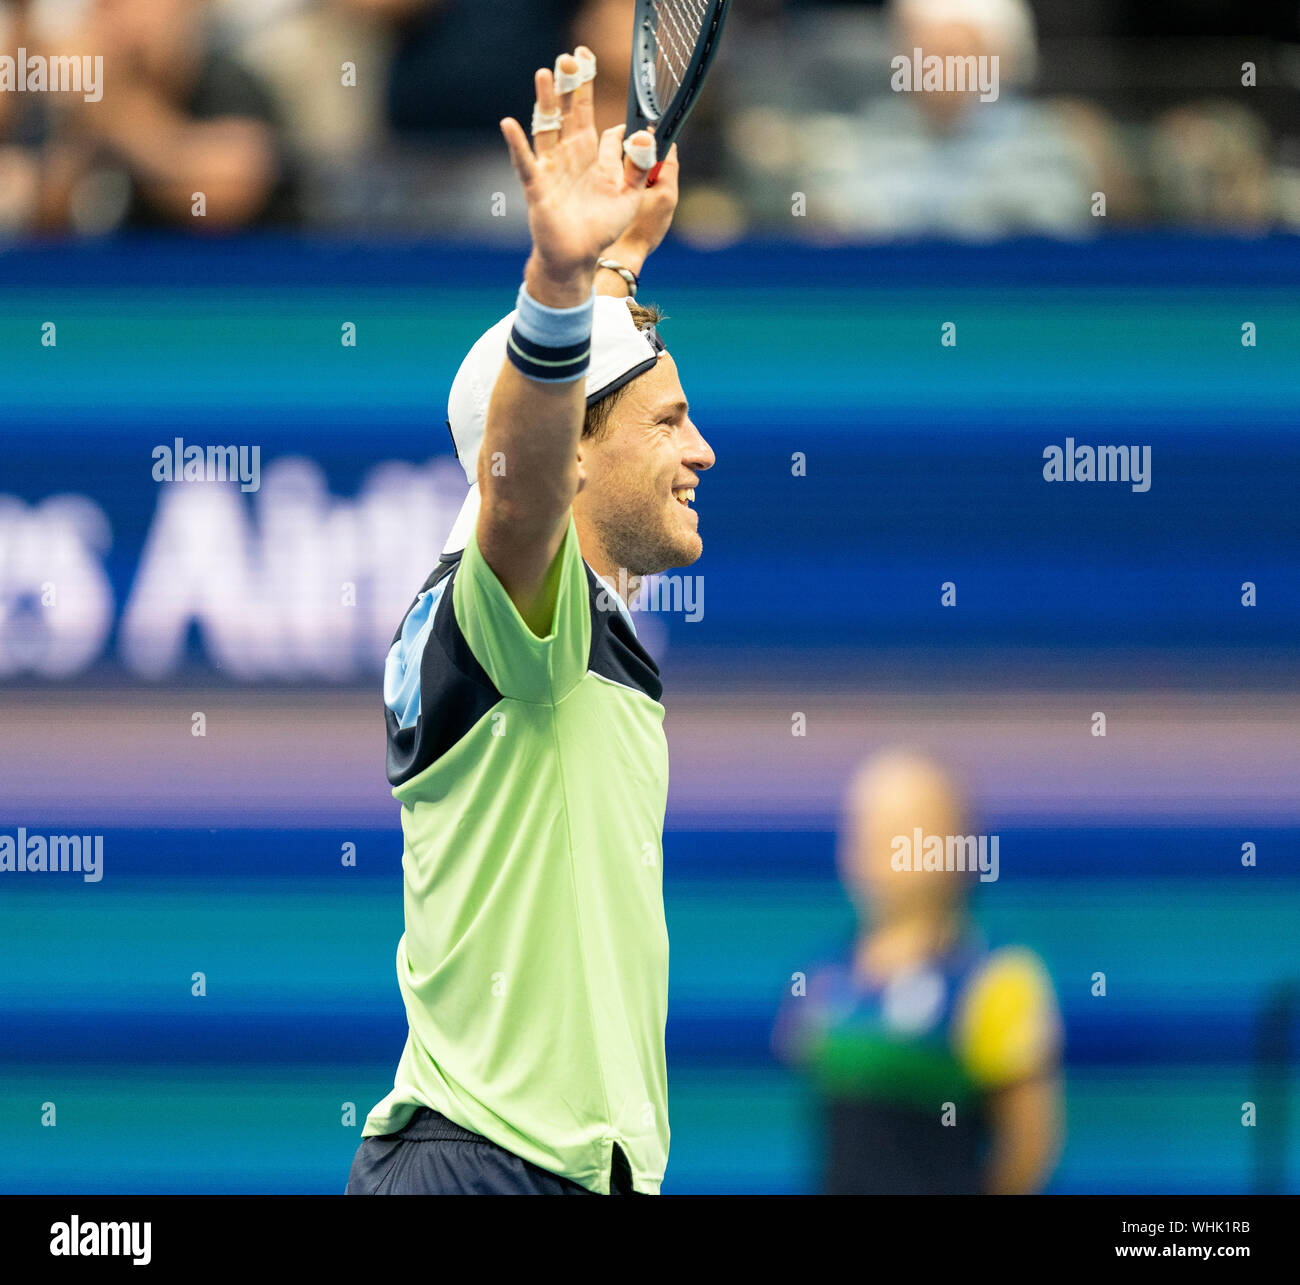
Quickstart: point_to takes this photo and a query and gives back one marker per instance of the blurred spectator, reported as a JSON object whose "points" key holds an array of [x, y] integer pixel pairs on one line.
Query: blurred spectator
{"points": [[381, 116], [411, 143], [460, 65], [935, 1060], [19, 156], [178, 117], [1211, 168], [943, 161], [326, 64], [605, 27], [1112, 151]]}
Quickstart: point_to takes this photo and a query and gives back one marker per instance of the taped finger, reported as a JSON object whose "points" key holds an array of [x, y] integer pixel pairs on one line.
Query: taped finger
{"points": [[641, 154], [567, 81], [544, 122]]}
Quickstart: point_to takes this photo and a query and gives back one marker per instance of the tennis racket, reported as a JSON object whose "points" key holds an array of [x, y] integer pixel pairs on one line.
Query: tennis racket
{"points": [[673, 44]]}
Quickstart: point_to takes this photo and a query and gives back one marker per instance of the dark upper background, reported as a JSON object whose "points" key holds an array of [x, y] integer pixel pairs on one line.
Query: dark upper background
{"points": [[1139, 99]]}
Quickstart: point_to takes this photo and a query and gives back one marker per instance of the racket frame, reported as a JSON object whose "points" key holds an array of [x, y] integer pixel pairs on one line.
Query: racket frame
{"points": [[642, 96]]}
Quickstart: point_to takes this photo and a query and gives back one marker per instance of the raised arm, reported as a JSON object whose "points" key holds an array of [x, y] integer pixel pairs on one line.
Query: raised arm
{"points": [[582, 194]]}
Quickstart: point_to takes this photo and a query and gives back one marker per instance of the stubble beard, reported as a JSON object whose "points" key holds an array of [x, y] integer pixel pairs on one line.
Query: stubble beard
{"points": [[644, 548]]}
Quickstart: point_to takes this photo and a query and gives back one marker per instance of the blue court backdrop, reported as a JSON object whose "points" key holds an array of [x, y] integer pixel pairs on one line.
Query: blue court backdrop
{"points": [[862, 464]]}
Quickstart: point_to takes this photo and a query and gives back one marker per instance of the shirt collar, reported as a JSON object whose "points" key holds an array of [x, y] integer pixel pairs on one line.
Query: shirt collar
{"points": [[614, 594]]}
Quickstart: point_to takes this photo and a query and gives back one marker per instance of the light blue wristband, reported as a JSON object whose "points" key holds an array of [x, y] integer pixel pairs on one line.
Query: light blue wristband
{"points": [[552, 345]]}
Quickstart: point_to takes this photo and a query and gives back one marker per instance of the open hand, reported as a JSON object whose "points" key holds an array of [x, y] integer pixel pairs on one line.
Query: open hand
{"points": [[582, 191]]}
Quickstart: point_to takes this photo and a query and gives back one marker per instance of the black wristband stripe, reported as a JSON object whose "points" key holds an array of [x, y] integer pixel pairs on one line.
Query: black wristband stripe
{"points": [[542, 352], [550, 365]]}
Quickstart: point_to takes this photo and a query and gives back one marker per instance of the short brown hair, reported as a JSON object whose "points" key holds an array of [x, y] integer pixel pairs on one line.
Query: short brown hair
{"points": [[598, 416]]}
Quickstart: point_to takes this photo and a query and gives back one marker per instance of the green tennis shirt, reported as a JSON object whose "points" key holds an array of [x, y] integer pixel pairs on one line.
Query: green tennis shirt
{"points": [[532, 775]]}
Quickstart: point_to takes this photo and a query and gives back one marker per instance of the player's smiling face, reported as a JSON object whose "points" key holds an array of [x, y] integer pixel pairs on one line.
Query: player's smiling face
{"points": [[641, 474]]}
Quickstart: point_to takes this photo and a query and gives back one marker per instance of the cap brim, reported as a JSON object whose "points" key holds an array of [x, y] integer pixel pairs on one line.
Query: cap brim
{"points": [[465, 521]]}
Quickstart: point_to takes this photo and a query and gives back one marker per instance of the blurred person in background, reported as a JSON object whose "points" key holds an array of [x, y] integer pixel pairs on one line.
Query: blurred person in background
{"points": [[932, 162], [494, 45], [1211, 168], [324, 61], [19, 132], [935, 1060], [404, 147], [946, 162], [177, 117], [606, 28]]}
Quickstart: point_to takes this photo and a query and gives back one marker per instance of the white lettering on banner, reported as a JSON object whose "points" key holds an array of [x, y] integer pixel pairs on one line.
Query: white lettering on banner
{"points": [[264, 594], [56, 602], [289, 582]]}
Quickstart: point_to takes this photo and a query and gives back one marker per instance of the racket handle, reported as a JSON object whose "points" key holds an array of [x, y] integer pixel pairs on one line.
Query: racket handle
{"points": [[654, 174]]}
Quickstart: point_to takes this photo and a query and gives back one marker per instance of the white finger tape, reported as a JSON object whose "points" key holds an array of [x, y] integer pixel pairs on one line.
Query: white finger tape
{"points": [[642, 155], [586, 66], [543, 122], [567, 82]]}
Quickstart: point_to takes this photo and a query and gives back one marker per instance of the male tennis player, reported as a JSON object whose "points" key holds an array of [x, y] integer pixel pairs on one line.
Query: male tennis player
{"points": [[525, 737]]}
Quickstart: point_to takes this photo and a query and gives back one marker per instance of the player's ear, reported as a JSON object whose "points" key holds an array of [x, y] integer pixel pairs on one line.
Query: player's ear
{"points": [[582, 472]]}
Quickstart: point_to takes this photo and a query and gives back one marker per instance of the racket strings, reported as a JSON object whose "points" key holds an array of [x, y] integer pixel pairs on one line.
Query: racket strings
{"points": [[679, 25]]}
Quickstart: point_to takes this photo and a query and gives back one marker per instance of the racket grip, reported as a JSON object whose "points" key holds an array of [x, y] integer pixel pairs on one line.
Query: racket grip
{"points": [[654, 174]]}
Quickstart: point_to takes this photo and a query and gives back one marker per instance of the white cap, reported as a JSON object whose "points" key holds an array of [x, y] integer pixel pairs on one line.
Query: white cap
{"points": [[620, 351]]}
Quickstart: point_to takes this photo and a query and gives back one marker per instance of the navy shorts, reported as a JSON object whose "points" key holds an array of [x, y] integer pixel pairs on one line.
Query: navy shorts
{"points": [[432, 1156]]}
